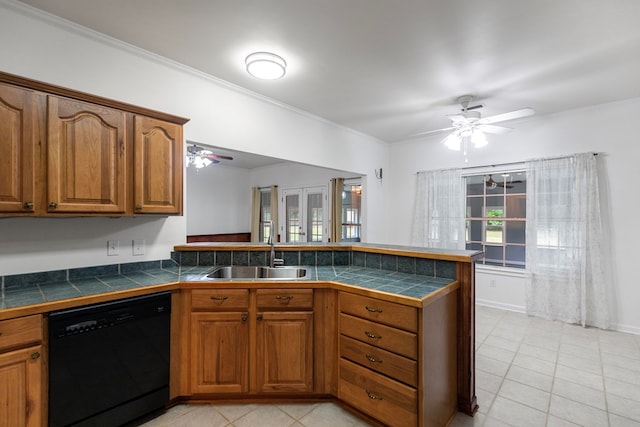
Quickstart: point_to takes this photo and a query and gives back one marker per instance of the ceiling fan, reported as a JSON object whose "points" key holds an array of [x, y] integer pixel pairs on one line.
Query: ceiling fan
{"points": [[201, 157], [469, 125], [492, 184]]}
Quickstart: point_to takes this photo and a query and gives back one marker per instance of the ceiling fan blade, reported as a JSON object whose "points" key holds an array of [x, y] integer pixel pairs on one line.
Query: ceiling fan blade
{"points": [[431, 132], [217, 156], [494, 129], [516, 114]]}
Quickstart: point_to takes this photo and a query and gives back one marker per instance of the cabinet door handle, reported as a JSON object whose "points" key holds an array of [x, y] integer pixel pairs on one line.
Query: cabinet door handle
{"points": [[372, 335], [259, 317], [35, 355], [373, 309], [373, 396], [372, 359], [53, 205], [244, 317], [284, 298], [219, 297], [138, 207], [28, 205]]}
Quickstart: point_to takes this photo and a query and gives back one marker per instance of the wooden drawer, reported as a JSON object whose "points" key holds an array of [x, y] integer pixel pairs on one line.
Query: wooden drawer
{"points": [[389, 313], [400, 368], [386, 337], [389, 401], [284, 299], [20, 331], [219, 299]]}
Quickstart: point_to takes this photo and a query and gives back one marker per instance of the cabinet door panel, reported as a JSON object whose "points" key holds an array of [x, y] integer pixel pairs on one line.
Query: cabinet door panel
{"points": [[158, 166], [285, 352], [21, 387], [220, 345], [19, 132], [87, 158]]}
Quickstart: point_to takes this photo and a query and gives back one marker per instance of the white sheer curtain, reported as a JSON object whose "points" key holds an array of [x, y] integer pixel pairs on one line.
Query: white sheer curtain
{"points": [[565, 273], [439, 210]]}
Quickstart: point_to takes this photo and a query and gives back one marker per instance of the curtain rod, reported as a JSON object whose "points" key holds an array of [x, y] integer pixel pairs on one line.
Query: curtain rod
{"points": [[501, 164]]}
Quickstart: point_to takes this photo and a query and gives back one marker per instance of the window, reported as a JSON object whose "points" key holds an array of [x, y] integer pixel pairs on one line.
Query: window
{"points": [[496, 217], [265, 215], [351, 212]]}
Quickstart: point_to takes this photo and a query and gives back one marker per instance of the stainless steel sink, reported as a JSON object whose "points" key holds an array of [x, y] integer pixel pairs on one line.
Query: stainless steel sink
{"points": [[229, 272]]}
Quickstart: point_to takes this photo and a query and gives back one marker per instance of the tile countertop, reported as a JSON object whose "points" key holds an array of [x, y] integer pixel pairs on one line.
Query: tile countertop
{"points": [[26, 294]]}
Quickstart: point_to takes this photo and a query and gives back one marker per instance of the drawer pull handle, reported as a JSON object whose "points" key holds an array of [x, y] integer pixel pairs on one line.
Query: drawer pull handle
{"points": [[53, 205], [35, 355], [372, 359], [28, 205], [373, 309], [284, 298], [373, 396], [219, 298], [370, 335]]}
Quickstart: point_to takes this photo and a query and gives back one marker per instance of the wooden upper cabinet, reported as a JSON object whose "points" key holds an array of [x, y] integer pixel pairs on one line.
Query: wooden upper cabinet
{"points": [[157, 166], [86, 158], [19, 134], [68, 153]]}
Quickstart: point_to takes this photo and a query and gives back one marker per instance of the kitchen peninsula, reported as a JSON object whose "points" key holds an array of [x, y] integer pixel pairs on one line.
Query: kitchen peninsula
{"points": [[387, 330]]}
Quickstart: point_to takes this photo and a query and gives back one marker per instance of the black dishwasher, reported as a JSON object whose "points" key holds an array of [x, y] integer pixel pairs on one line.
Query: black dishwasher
{"points": [[109, 363]]}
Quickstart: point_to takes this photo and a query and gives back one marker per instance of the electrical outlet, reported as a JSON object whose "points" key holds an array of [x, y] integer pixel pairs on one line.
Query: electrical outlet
{"points": [[113, 247], [138, 247]]}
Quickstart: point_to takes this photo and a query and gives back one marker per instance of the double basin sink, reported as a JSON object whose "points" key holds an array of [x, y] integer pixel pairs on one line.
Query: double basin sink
{"points": [[257, 273]]}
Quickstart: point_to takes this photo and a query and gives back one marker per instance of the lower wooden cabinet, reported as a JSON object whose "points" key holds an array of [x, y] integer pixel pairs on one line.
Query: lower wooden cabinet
{"points": [[21, 372], [220, 349], [251, 341], [21, 387], [284, 352]]}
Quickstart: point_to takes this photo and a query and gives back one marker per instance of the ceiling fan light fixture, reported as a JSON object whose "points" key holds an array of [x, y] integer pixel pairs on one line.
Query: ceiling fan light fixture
{"points": [[453, 141], [266, 65], [478, 138]]}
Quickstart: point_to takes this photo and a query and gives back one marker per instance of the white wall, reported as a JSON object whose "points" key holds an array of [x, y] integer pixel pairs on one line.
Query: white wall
{"points": [[219, 196], [218, 200], [609, 129], [50, 50]]}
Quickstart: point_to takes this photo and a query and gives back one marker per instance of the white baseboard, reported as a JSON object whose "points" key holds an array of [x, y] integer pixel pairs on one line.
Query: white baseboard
{"points": [[626, 328], [520, 309], [502, 306]]}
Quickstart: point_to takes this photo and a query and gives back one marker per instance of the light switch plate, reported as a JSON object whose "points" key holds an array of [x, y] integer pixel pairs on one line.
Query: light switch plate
{"points": [[138, 247], [113, 247]]}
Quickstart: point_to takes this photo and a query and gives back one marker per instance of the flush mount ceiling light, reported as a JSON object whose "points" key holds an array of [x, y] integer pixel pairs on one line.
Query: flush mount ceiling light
{"points": [[266, 65]]}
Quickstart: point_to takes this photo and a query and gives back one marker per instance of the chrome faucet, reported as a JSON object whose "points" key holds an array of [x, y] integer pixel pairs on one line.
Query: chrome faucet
{"points": [[273, 261]]}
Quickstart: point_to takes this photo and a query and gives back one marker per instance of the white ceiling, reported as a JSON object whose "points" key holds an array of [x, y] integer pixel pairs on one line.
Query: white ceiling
{"points": [[392, 68]]}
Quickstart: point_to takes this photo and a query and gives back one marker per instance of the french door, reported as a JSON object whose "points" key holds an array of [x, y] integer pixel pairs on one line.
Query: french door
{"points": [[304, 215]]}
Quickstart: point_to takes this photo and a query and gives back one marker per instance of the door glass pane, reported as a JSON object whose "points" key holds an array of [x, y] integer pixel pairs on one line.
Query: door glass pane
{"points": [[314, 217], [292, 212]]}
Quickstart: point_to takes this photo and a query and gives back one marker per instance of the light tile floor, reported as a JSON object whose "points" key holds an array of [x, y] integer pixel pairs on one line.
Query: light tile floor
{"points": [[529, 372]]}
